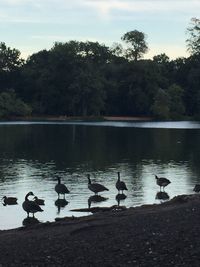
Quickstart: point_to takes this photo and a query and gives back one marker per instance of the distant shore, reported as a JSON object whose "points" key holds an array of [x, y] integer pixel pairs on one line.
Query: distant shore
{"points": [[151, 235], [77, 118]]}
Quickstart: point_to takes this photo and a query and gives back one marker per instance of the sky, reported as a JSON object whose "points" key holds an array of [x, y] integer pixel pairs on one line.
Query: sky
{"points": [[34, 25]]}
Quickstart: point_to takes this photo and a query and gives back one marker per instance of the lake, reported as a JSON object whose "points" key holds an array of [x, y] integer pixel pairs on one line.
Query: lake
{"points": [[33, 154]]}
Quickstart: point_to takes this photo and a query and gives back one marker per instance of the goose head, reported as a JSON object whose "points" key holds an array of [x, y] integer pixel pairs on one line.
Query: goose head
{"points": [[29, 194]]}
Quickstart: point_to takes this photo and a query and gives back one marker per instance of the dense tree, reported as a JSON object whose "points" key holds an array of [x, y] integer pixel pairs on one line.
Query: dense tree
{"points": [[176, 105], [10, 62], [91, 79], [138, 44], [161, 106], [10, 105], [193, 42]]}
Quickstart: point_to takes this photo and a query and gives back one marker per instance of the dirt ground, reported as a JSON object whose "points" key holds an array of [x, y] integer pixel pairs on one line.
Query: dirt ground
{"points": [[153, 235]]}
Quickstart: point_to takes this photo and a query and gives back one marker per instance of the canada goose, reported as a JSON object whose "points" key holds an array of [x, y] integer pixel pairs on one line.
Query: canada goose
{"points": [[38, 201], [162, 182], [197, 188], [61, 188], [95, 187], [120, 185], [30, 206], [9, 200]]}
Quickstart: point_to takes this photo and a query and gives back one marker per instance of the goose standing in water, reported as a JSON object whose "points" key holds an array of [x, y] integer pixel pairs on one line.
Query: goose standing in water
{"points": [[162, 182], [30, 206], [61, 188], [120, 185], [95, 187], [9, 200]]}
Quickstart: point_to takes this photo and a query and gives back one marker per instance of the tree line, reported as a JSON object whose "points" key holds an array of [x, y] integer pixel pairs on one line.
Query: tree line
{"points": [[91, 79]]}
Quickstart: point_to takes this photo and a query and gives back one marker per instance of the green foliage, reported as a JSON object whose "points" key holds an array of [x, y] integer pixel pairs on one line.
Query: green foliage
{"points": [[138, 44], [10, 64], [161, 106], [10, 105], [193, 42], [9, 58], [91, 79], [177, 109]]}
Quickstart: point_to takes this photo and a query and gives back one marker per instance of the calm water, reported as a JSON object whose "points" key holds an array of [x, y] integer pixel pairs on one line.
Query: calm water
{"points": [[32, 154]]}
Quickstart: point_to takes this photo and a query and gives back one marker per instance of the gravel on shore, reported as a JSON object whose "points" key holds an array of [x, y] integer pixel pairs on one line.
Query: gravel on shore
{"points": [[167, 234]]}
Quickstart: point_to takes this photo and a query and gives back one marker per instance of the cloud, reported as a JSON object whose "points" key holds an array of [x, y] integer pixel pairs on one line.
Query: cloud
{"points": [[106, 7], [173, 51]]}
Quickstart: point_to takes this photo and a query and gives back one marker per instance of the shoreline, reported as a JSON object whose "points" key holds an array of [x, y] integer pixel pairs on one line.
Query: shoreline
{"points": [[77, 118], [164, 234]]}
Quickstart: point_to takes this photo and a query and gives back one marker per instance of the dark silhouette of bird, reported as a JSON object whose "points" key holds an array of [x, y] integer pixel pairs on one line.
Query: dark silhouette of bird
{"points": [[95, 199], [9, 200], [30, 206], [61, 188], [162, 182], [162, 196], [120, 185], [197, 188], [95, 187], [120, 197], [39, 201]]}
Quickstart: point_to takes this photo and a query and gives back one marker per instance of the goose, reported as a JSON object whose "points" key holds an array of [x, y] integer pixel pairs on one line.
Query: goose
{"points": [[61, 188], [197, 188], [95, 187], [30, 206], [162, 182], [9, 200], [120, 185], [38, 201]]}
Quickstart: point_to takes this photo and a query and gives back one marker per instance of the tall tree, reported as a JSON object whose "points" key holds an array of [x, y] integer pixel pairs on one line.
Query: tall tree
{"points": [[10, 62], [138, 44], [160, 108], [193, 42]]}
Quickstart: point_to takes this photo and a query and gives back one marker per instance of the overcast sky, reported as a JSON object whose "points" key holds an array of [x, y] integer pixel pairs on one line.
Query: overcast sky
{"points": [[33, 25]]}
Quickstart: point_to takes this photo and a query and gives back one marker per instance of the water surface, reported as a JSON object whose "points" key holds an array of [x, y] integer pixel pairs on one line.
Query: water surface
{"points": [[33, 154]]}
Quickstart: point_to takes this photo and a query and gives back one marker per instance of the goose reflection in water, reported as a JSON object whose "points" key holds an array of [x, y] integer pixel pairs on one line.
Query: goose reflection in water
{"points": [[162, 196], [120, 197], [96, 199], [30, 221], [61, 203]]}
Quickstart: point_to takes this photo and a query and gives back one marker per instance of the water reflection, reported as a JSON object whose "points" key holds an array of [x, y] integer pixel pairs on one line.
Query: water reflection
{"points": [[61, 203], [32, 155], [120, 197], [95, 199], [30, 221], [162, 195]]}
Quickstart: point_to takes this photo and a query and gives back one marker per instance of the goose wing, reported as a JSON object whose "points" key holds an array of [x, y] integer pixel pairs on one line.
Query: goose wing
{"points": [[61, 189], [31, 206], [95, 187]]}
